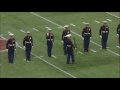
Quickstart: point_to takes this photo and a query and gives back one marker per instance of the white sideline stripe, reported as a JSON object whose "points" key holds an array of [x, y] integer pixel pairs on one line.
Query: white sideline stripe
{"points": [[3, 37], [112, 15], [97, 21], [118, 46], [113, 52], [71, 31], [80, 52], [22, 31], [44, 18], [3, 51], [53, 56], [39, 56], [72, 24], [35, 29], [92, 50], [50, 63], [76, 34], [109, 20]]}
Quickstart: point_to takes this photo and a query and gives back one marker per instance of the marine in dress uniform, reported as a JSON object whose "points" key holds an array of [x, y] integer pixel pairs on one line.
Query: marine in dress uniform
{"points": [[86, 34], [64, 38], [104, 32], [11, 47], [28, 45], [118, 34], [69, 48], [50, 42]]}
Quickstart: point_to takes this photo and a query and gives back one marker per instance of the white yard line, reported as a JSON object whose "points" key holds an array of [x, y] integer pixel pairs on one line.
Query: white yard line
{"points": [[79, 52], [113, 52], [53, 56], [112, 15], [39, 56], [22, 31], [97, 21], [71, 31], [92, 50], [49, 63], [72, 24], [109, 20], [3, 38], [35, 29]]}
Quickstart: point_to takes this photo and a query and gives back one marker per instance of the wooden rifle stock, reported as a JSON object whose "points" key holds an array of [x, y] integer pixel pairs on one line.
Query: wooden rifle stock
{"points": [[75, 44]]}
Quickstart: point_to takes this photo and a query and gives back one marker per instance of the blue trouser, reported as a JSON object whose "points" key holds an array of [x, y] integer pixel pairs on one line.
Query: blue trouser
{"points": [[104, 42], [49, 50], [70, 53], [11, 55], [64, 46], [28, 52], [86, 43]]}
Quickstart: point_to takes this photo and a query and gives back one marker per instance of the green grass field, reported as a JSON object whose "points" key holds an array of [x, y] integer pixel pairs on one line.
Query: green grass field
{"points": [[99, 64]]}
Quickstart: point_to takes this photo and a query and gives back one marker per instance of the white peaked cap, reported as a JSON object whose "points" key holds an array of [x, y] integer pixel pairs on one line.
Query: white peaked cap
{"points": [[104, 21], [49, 29], [28, 31], [87, 23], [11, 34], [66, 26]]}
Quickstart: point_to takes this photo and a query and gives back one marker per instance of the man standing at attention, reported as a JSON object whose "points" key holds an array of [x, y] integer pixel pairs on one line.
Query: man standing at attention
{"points": [[28, 45], [86, 34], [104, 32], [11, 47], [50, 41]]}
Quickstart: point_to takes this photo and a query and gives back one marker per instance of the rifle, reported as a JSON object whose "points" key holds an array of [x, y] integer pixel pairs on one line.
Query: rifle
{"points": [[50, 38], [75, 44]]}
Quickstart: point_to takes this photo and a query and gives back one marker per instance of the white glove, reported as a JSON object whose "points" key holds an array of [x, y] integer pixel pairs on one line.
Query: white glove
{"points": [[82, 38], [24, 47], [32, 46], [7, 50], [62, 41], [117, 35], [15, 49], [100, 36], [90, 37]]}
